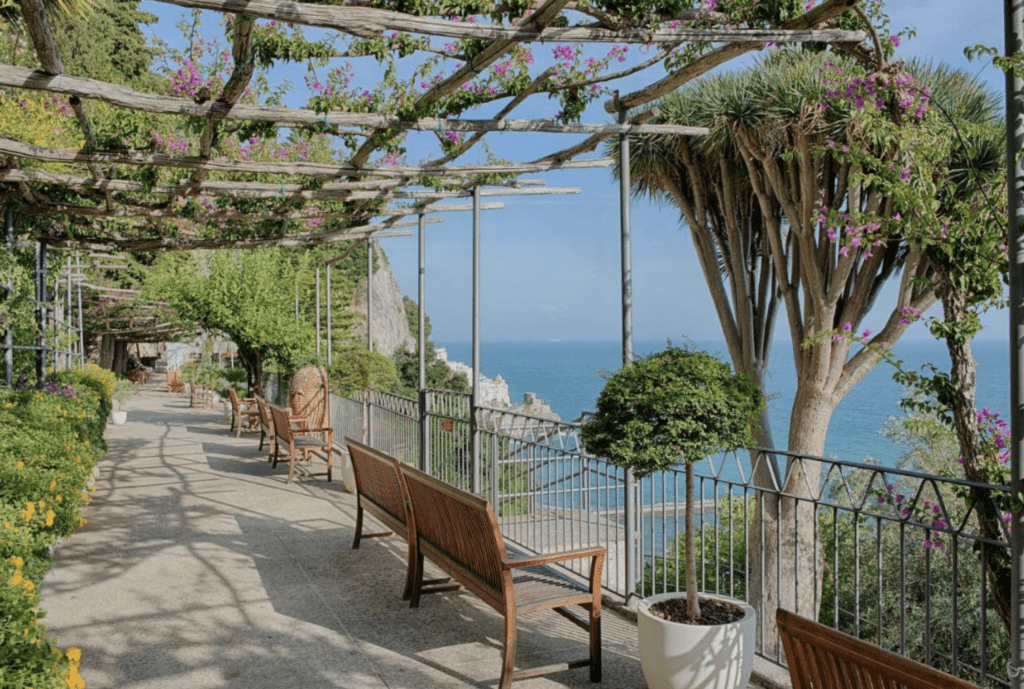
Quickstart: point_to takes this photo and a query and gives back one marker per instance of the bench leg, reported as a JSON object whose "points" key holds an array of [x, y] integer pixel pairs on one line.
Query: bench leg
{"points": [[417, 581], [410, 571], [359, 527], [330, 463], [238, 425], [508, 658], [263, 434], [595, 642]]}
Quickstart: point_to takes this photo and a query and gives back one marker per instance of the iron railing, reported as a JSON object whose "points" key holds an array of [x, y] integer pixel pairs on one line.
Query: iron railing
{"points": [[889, 555]]}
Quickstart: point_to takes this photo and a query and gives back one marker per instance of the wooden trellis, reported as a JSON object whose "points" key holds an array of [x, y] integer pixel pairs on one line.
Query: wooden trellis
{"points": [[364, 189]]}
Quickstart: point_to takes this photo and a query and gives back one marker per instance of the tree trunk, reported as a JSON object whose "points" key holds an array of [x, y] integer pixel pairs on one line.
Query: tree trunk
{"points": [[996, 562], [692, 597], [786, 554]]}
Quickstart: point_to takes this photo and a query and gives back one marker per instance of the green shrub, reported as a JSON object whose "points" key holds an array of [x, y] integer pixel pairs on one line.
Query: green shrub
{"points": [[49, 443]]}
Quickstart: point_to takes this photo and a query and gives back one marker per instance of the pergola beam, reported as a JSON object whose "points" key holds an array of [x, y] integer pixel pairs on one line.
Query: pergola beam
{"points": [[368, 22], [178, 244], [319, 170], [303, 214], [333, 191]]}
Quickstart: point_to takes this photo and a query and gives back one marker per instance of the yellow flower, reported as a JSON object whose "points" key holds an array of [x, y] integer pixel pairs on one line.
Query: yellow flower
{"points": [[60, 498], [17, 578], [29, 510], [50, 514], [74, 654], [8, 405], [20, 464], [17, 561], [53, 484]]}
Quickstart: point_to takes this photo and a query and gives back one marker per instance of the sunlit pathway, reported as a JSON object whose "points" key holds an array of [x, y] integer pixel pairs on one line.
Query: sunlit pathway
{"points": [[201, 567]]}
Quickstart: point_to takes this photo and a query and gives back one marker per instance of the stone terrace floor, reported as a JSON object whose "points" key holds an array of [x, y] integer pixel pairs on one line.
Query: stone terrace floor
{"points": [[201, 567]]}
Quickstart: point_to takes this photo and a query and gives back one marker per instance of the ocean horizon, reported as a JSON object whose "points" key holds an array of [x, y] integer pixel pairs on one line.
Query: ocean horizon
{"points": [[567, 375]]}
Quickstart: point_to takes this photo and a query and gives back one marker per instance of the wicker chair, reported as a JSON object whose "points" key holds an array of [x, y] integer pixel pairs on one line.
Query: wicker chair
{"points": [[307, 395], [300, 441], [243, 409], [174, 383]]}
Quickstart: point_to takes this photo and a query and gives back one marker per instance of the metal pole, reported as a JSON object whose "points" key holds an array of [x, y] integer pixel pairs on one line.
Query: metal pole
{"points": [[474, 441], [56, 321], [369, 294], [1013, 14], [421, 344], [629, 498], [81, 320], [68, 351], [40, 312], [318, 314], [368, 394], [328, 314], [8, 333]]}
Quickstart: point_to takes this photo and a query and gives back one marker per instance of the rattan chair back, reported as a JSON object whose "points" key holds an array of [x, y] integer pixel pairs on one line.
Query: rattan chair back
{"points": [[307, 395]]}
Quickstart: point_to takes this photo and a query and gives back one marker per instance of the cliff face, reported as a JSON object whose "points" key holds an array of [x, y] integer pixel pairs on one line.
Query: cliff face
{"points": [[390, 325]]}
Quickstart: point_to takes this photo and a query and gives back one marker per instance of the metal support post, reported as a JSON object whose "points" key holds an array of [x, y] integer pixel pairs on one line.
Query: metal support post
{"points": [[81, 320], [1013, 11], [629, 498], [68, 351], [421, 346], [329, 314], [474, 438], [318, 314], [40, 313], [369, 294], [8, 333]]}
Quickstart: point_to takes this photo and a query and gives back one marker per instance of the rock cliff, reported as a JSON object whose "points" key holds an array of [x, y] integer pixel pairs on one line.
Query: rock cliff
{"points": [[390, 326]]}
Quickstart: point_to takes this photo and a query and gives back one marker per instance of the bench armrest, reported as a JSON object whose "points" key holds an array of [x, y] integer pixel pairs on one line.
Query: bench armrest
{"points": [[312, 430], [596, 552]]}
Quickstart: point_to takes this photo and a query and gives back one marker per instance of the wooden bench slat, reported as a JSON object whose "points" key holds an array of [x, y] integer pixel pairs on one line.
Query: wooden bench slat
{"points": [[820, 657]]}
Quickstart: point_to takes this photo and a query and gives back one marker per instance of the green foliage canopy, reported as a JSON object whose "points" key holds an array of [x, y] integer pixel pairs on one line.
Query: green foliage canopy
{"points": [[247, 295], [676, 404]]}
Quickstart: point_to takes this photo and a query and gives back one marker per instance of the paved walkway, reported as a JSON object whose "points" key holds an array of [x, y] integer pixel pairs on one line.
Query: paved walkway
{"points": [[201, 567]]}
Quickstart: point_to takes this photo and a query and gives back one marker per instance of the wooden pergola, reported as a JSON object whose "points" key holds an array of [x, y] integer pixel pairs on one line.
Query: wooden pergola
{"points": [[375, 197]]}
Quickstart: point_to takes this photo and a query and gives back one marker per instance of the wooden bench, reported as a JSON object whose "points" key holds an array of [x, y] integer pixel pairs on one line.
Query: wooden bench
{"points": [[300, 441], [243, 409], [266, 427], [820, 657], [459, 533], [380, 490]]}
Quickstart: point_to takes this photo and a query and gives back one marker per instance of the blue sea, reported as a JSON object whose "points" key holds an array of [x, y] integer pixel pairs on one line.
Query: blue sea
{"points": [[568, 376]]}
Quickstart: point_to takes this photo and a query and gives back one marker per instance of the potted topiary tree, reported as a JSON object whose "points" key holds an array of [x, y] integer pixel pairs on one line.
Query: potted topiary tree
{"points": [[123, 390], [683, 405]]}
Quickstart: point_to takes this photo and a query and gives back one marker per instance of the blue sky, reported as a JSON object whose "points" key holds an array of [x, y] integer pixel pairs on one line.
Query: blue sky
{"points": [[551, 263]]}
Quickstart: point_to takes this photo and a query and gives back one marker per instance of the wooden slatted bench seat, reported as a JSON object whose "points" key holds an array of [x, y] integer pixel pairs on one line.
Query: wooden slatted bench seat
{"points": [[820, 657], [380, 491], [459, 533]]}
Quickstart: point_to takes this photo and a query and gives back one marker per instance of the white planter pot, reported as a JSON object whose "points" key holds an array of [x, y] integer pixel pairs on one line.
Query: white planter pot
{"points": [[686, 656], [120, 416]]}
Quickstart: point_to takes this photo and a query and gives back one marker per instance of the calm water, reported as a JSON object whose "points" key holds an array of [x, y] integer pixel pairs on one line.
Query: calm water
{"points": [[567, 375]]}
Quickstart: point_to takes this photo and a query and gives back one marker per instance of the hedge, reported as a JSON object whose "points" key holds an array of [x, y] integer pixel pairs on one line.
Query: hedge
{"points": [[50, 440]]}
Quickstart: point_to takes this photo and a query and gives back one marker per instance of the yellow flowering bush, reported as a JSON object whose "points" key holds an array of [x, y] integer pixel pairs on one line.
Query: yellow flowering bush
{"points": [[49, 443]]}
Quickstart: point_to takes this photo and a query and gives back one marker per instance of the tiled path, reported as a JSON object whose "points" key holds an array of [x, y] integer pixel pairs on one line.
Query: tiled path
{"points": [[201, 567]]}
